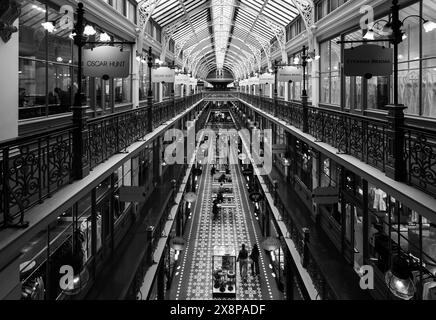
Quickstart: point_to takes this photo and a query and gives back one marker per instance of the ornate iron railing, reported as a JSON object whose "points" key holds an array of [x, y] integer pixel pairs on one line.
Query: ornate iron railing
{"points": [[365, 138], [32, 168], [362, 137], [111, 134], [420, 155]]}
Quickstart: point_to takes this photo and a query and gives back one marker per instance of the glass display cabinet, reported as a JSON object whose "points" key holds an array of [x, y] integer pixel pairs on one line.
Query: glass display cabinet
{"points": [[224, 273]]}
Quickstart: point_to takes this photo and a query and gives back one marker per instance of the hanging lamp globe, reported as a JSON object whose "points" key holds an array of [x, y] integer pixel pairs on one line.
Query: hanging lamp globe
{"points": [[399, 279]]}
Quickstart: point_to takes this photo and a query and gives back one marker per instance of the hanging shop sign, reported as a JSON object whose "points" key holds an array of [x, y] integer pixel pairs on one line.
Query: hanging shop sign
{"points": [[163, 75], [132, 194], [106, 62], [327, 195], [368, 60], [266, 78], [181, 79], [289, 73]]}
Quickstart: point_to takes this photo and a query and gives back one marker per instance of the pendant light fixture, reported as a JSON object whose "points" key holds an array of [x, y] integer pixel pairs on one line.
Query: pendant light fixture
{"points": [[399, 279]]}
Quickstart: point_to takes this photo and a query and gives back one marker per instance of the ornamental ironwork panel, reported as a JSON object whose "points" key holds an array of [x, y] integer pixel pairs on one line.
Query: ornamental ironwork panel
{"points": [[420, 155], [32, 169]]}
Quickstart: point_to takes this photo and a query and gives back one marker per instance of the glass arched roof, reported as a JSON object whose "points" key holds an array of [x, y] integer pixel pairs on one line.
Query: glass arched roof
{"points": [[222, 34]]}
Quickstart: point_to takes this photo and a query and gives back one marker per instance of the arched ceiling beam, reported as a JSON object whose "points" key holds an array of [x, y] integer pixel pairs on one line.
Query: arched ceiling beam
{"points": [[231, 54], [145, 10]]}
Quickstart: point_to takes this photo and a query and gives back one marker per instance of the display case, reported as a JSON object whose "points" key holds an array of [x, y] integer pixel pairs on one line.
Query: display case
{"points": [[224, 273]]}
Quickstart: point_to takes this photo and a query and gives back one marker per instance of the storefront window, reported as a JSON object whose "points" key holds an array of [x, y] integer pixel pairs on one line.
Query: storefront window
{"points": [[45, 63], [330, 91], [122, 177], [394, 228], [66, 242], [304, 163]]}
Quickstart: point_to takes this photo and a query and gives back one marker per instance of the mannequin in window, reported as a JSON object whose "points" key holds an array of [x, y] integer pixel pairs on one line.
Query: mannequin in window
{"points": [[379, 200]]}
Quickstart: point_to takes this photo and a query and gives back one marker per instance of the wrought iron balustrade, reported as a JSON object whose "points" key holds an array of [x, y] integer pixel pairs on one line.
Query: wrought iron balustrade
{"points": [[365, 138], [362, 137], [32, 168], [420, 156], [113, 133]]}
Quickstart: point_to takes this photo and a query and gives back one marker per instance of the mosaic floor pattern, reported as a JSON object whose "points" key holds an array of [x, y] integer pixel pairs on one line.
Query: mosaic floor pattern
{"points": [[234, 226]]}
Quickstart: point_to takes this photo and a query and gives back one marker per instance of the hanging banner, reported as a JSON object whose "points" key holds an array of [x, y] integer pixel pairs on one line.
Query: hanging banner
{"points": [[290, 73], [368, 60], [266, 78], [163, 75], [182, 79], [106, 62]]}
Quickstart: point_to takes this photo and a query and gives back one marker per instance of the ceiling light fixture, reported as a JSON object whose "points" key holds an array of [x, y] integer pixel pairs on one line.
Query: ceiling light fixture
{"points": [[104, 37]]}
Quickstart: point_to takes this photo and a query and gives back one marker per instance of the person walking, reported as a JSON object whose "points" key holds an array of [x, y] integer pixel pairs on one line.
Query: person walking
{"points": [[243, 260], [255, 260]]}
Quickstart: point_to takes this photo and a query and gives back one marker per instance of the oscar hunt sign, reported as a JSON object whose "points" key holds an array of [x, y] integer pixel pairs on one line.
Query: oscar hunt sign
{"points": [[368, 61], [106, 62]]}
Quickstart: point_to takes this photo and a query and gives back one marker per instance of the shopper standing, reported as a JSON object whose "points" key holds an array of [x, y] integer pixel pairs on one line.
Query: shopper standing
{"points": [[243, 260], [255, 260]]}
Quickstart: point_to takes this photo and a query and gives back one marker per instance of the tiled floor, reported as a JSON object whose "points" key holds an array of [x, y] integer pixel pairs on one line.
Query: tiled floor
{"points": [[234, 227]]}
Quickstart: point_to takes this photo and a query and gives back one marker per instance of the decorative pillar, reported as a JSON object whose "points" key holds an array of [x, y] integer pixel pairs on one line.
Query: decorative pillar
{"points": [[157, 161], [161, 281], [304, 97], [9, 80], [396, 163], [80, 135], [150, 91], [135, 77], [289, 285]]}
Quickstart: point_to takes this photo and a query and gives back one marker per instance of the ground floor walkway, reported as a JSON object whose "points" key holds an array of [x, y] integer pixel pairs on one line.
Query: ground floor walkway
{"points": [[233, 226]]}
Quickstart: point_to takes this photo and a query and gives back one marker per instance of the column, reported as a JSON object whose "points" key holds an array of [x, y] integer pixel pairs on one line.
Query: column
{"points": [[161, 280], [135, 77], [396, 164], [157, 161], [9, 87], [315, 76], [289, 274], [160, 92], [271, 92]]}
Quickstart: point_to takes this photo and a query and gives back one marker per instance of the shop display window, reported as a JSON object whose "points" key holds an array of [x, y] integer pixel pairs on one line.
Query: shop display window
{"points": [[304, 163], [394, 228], [48, 68], [66, 242]]}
